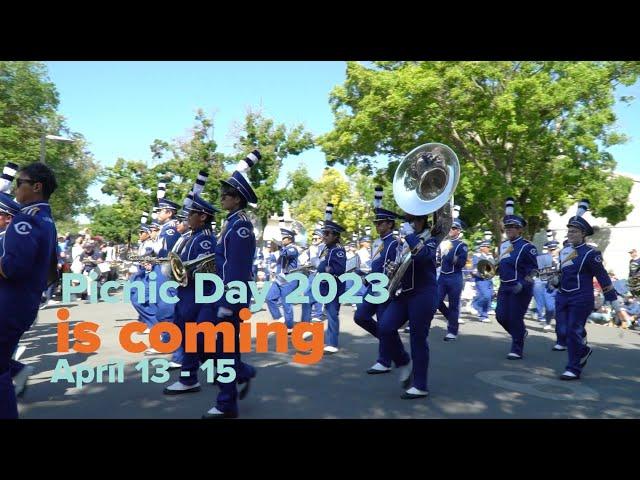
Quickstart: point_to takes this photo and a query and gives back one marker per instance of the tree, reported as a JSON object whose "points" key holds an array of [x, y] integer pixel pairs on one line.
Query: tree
{"points": [[537, 131], [276, 143], [28, 103], [352, 198], [134, 184]]}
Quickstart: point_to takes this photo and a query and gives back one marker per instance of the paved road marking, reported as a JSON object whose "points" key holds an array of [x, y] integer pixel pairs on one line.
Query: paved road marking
{"points": [[539, 386]]}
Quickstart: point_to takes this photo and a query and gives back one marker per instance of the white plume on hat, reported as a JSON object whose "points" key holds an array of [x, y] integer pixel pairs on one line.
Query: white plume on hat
{"points": [[162, 190], [456, 211], [509, 206], [8, 175], [583, 206], [201, 180], [377, 199], [488, 235], [328, 212], [188, 201]]}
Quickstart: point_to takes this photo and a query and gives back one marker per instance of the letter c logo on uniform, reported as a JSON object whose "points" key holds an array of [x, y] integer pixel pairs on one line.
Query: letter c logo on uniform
{"points": [[244, 232], [205, 244], [23, 228]]}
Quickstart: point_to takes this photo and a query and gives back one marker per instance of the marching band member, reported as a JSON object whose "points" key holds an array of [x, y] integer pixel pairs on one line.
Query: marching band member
{"points": [[146, 310], [385, 224], [453, 255], [484, 287], [168, 235], [517, 263], [27, 266], [287, 261], [314, 308], [579, 263], [234, 261], [334, 262], [543, 293], [200, 243], [417, 303], [9, 209]]}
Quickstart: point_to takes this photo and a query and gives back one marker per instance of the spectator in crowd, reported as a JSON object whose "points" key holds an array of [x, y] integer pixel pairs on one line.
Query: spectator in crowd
{"points": [[630, 312]]}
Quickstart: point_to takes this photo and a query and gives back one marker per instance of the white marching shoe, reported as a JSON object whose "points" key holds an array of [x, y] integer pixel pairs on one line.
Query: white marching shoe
{"points": [[330, 349], [413, 392], [558, 348], [567, 375], [177, 388], [514, 356], [449, 337], [461, 321], [378, 368], [547, 328], [151, 351]]}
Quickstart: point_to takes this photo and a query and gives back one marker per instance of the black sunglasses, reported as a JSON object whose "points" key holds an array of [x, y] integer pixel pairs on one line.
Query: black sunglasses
{"points": [[20, 181]]}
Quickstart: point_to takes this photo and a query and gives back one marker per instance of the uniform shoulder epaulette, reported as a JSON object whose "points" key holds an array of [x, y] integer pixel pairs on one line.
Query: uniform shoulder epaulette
{"points": [[32, 211]]}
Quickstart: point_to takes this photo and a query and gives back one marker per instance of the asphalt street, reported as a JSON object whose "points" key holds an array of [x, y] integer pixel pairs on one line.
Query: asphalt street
{"points": [[468, 378]]}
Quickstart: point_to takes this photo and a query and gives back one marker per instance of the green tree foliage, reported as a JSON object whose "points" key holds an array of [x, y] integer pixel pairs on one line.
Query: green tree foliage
{"points": [[276, 143], [537, 131], [134, 184], [351, 196], [28, 103]]}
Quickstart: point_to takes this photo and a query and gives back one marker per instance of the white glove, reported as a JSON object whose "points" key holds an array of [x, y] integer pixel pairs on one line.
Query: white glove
{"points": [[224, 312], [406, 229]]}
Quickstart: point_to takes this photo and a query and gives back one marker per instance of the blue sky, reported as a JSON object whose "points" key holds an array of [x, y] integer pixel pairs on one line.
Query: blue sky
{"points": [[121, 107]]}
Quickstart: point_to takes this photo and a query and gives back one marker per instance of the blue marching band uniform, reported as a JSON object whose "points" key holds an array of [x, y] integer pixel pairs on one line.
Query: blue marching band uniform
{"points": [[333, 261], [234, 254], [277, 295], [452, 254], [484, 286], [365, 311], [517, 265], [27, 265], [543, 293], [579, 264], [417, 304]]}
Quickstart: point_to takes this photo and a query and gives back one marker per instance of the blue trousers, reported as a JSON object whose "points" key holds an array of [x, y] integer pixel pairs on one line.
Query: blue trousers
{"points": [[450, 285], [227, 400], [510, 313], [312, 309], [147, 311], [571, 317], [9, 339], [278, 294], [545, 301], [333, 329], [482, 301], [418, 308], [364, 318]]}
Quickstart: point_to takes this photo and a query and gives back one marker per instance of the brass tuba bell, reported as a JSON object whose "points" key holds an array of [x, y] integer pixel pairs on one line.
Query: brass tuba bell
{"points": [[424, 183]]}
